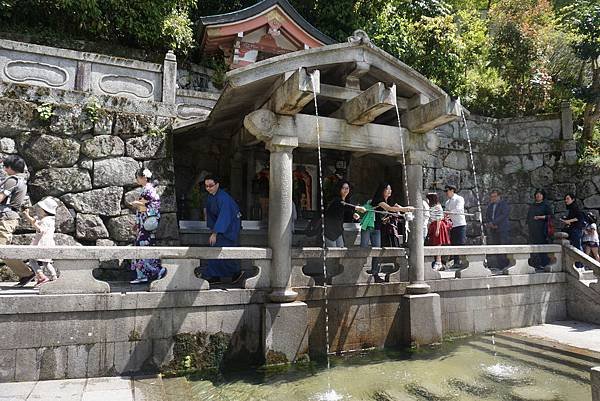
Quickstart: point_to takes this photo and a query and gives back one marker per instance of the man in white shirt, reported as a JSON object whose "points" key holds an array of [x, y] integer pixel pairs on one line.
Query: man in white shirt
{"points": [[455, 207]]}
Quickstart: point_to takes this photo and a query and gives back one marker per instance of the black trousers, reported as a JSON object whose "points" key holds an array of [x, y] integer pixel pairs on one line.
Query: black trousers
{"points": [[458, 236]]}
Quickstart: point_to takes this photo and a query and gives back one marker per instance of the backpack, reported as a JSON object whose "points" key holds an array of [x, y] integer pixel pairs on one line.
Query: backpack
{"points": [[589, 218], [20, 189]]}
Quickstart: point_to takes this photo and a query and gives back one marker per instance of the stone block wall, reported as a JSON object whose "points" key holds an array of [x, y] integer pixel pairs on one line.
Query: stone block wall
{"points": [[85, 155], [515, 155]]}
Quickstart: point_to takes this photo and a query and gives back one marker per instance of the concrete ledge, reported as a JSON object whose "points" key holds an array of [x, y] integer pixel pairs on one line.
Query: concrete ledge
{"points": [[180, 277], [130, 252]]}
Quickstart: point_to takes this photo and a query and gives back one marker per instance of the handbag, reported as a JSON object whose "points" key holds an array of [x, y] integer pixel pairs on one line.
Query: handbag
{"points": [[151, 223], [549, 228]]}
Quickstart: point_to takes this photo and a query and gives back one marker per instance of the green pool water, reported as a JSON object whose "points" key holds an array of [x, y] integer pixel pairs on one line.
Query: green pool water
{"points": [[463, 370]]}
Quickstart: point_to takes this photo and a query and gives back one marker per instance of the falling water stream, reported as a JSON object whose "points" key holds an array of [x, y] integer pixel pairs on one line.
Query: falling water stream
{"points": [[477, 197], [331, 394]]}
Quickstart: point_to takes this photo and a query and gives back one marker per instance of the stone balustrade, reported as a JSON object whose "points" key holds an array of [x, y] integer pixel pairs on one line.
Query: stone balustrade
{"points": [[76, 264], [573, 255], [102, 75], [344, 266], [475, 257]]}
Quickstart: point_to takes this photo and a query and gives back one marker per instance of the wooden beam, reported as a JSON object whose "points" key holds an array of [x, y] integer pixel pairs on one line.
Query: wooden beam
{"points": [[291, 97], [367, 106], [426, 117], [341, 94]]}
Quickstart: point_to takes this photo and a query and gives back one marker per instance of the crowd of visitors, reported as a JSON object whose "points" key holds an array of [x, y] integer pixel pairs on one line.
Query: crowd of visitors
{"points": [[380, 224]]}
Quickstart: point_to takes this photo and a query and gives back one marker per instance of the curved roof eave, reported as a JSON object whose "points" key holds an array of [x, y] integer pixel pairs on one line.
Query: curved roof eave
{"points": [[248, 87], [336, 54], [259, 8]]}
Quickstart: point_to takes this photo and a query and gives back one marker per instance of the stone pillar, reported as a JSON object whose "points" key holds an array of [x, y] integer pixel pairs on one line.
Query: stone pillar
{"points": [[416, 258], [595, 376], [420, 309], [169, 89], [280, 217], [83, 78], [566, 118]]}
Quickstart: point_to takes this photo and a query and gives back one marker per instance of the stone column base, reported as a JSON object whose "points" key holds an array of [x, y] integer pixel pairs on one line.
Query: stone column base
{"points": [[285, 332], [421, 319]]}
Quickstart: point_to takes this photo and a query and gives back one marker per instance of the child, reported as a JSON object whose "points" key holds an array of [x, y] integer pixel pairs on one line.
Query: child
{"points": [[44, 223], [590, 238]]}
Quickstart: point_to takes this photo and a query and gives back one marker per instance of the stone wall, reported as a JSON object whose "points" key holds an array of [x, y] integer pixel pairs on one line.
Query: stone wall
{"points": [[86, 155], [515, 155], [88, 335]]}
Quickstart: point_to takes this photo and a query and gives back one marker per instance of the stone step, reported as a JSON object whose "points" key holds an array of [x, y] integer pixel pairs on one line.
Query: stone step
{"points": [[577, 355], [540, 360], [574, 356]]}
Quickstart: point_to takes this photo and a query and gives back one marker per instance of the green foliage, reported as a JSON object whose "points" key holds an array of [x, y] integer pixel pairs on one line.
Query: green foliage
{"points": [[136, 23], [582, 18], [92, 109], [177, 31], [502, 57], [45, 111], [156, 131]]}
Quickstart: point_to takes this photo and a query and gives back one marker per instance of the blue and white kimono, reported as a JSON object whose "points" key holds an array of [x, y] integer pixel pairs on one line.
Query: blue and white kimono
{"points": [[223, 218]]}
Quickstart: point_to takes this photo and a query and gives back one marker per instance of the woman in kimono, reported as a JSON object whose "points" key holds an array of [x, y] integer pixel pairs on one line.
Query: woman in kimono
{"points": [[147, 218]]}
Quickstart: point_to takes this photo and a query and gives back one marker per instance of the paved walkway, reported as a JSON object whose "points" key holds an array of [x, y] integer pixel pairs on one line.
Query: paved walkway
{"points": [[96, 389], [570, 334]]}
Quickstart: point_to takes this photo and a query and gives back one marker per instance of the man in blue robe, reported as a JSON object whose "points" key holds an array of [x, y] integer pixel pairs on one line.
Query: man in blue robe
{"points": [[223, 219]]}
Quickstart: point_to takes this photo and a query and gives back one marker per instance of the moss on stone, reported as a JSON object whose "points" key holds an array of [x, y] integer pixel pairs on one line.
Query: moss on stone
{"points": [[134, 335], [276, 358], [199, 352]]}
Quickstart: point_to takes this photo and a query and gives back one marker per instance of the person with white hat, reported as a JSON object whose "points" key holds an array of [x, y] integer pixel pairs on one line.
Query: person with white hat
{"points": [[44, 223]]}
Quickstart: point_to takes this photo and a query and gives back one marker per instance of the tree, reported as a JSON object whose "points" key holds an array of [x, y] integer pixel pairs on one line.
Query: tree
{"points": [[582, 19]]}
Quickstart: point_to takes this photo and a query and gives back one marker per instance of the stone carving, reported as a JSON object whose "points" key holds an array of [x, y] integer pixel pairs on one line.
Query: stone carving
{"points": [[359, 36], [122, 84], [22, 71], [188, 111]]}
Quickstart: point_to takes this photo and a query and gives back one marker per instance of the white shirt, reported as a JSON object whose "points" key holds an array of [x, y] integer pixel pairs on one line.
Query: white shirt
{"points": [[425, 217], [45, 237], [456, 204]]}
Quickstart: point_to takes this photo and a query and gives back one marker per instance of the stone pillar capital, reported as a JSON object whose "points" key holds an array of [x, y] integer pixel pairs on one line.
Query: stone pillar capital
{"points": [[280, 143]]}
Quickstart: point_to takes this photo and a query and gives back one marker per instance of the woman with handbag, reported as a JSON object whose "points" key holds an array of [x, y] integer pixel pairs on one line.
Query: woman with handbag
{"points": [[539, 222], [380, 203], [147, 218], [438, 231]]}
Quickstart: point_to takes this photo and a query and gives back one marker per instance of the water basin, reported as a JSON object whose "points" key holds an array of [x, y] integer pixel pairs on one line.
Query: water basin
{"points": [[462, 370]]}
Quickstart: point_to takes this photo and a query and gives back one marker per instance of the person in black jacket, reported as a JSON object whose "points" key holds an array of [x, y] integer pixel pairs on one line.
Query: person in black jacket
{"points": [[538, 217], [336, 213], [498, 227], [574, 221]]}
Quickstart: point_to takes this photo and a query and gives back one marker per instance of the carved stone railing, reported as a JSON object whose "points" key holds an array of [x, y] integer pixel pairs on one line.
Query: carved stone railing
{"points": [[345, 266], [76, 264], [98, 74], [573, 255], [474, 259]]}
